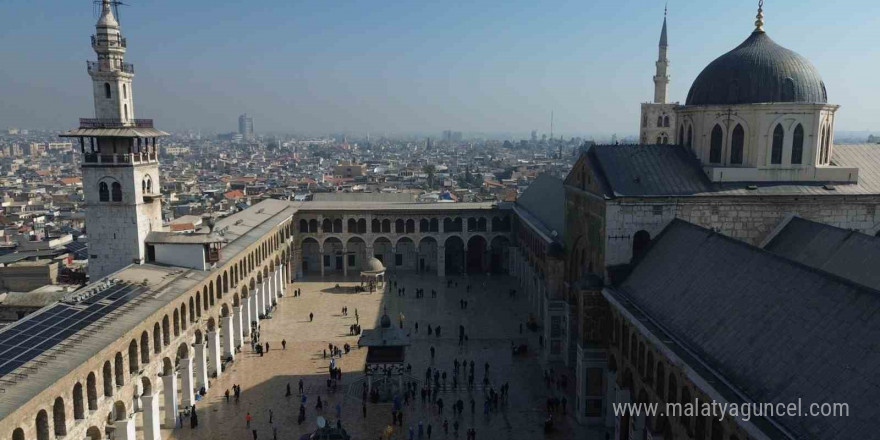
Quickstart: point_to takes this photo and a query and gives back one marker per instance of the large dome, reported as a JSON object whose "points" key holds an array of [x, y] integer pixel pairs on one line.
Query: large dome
{"points": [[758, 71]]}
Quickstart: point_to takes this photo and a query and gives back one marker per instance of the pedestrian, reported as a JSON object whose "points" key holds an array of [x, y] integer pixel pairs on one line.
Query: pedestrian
{"points": [[446, 427], [365, 409], [247, 419], [284, 344], [338, 411], [274, 433], [267, 346], [300, 386], [432, 353], [255, 434], [227, 395], [287, 394], [411, 433], [429, 431], [270, 416], [311, 316]]}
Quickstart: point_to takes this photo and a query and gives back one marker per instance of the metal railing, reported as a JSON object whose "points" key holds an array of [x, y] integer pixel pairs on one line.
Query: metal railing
{"points": [[120, 159], [95, 66], [114, 123], [119, 41]]}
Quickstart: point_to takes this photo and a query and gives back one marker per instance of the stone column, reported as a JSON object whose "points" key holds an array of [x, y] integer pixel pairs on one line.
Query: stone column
{"points": [[152, 430], [283, 278], [124, 430], [610, 398], [441, 261], [255, 310], [170, 392], [344, 264], [201, 367], [258, 301], [247, 316], [267, 294], [186, 382], [321, 261], [236, 326], [214, 353], [228, 340]]}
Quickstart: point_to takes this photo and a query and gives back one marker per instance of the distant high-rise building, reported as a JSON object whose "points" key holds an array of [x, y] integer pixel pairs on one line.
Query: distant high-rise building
{"points": [[246, 126], [428, 144], [534, 135]]}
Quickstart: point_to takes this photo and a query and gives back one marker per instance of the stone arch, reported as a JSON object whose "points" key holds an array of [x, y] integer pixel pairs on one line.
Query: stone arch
{"points": [[253, 284], [259, 278], [167, 366], [303, 226], [166, 333], [716, 144], [225, 281], [640, 242], [352, 226], [477, 247], [176, 320], [79, 411], [399, 226], [183, 351], [94, 433], [356, 253], [224, 310], [454, 254], [424, 225], [499, 248], [435, 225], [119, 369], [337, 226], [192, 309], [198, 335], [362, 226], [334, 251], [119, 411], [244, 292], [207, 300], [108, 379], [383, 250], [236, 300], [405, 254], [145, 347], [92, 391], [386, 226], [311, 255], [18, 434], [211, 325], [41, 423], [198, 304], [313, 226], [410, 226], [327, 226], [427, 254], [157, 337], [146, 386], [501, 224]]}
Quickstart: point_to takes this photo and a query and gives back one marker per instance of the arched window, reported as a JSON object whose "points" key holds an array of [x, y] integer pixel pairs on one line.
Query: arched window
{"points": [[690, 141], [826, 149], [665, 140], [776, 149], [124, 92], [117, 192], [103, 192], [797, 145], [681, 135], [303, 226], [375, 226], [659, 140], [666, 121], [107, 92], [125, 113], [715, 145], [640, 243], [659, 121], [737, 140]]}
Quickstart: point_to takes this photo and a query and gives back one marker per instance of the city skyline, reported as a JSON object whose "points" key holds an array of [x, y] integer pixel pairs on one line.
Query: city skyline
{"points": [[344, 68]]}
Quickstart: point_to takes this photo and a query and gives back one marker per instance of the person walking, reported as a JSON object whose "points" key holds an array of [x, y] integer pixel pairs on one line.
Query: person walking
{"points": [[287, 394], [247, 419], [284, 344], [227, 395], [430, 428], [311, 316], [300, 386], [255, 433]]}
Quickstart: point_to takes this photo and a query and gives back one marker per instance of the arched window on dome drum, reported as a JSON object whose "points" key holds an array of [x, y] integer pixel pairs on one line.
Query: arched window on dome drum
{"points": [[117, 192], [776, 148], [715, 145], [103, 192], [666, 121], [797, 145], [737, 141], [681, 135], [659, 121], [690, 141]]}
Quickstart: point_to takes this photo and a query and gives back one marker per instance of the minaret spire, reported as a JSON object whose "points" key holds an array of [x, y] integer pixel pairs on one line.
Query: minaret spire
{"points": [[759, 19], [661, 78]]}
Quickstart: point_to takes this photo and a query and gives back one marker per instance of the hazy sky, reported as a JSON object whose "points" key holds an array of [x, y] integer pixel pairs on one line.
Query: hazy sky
{"points": [[389, 66]]}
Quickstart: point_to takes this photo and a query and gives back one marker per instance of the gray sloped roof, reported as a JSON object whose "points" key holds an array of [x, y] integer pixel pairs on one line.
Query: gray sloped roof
{"points": [[777, 330], [670, 170], [545, 201], [758, 71], [849, 254]]}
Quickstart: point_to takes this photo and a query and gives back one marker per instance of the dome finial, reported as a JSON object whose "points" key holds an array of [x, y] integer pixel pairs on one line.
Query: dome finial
{"points": [[759, 22]]}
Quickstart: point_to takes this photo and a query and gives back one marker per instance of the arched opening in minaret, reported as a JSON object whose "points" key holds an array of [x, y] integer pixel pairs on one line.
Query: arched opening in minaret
{"points": [[124, 92], [117, 192], [103, 192], [107, 92]]}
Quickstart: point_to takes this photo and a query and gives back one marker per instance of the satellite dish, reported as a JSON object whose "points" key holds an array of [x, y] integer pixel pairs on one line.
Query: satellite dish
{"points": [[321, 422]]}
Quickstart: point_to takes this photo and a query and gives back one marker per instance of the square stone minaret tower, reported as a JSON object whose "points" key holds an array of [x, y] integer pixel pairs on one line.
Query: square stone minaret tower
{"points": [[658, 119], [120, 167]]}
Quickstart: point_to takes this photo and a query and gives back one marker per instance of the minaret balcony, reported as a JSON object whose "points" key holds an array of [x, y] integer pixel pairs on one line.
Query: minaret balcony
{"points": [[114, 123], [127, 159], [109, 42], [95, 67]]}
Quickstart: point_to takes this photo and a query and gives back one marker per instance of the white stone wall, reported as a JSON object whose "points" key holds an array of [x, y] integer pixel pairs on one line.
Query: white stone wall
{"points": [[649, 131], [117, 230], [183, 255], [749, 220], [120, 96]]}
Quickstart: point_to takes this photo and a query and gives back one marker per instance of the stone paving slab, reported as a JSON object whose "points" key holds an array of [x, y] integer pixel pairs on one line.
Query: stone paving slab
{"points": [[491, 322]]}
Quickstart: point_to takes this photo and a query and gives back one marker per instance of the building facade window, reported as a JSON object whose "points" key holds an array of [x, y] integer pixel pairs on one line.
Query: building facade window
{"points": [[737, 141], [666, 121], [797, 145], [107, 92], [103, 192], [117, 192], [776, 148], [715, 145]]}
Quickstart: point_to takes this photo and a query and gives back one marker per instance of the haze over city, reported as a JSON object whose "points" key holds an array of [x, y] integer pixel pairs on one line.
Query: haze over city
{"points": [[402, 67]]}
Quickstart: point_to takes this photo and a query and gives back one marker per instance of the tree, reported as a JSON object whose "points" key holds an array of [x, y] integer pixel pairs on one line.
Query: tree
{"points": [[429, 170]]}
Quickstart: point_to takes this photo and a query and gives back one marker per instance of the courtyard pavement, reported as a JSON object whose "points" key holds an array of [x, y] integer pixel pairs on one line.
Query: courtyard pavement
{"points": [[492, 320]]}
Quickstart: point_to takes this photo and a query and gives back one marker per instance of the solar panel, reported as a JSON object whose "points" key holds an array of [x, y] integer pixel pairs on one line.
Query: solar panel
{"points": [[27, 339]]}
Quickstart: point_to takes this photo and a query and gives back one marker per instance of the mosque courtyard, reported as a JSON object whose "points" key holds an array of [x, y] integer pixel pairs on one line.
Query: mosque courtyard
{"points": [[492, 321]]}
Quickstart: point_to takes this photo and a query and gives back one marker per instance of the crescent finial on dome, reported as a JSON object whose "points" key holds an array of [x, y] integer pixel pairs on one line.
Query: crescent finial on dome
{"points": [[759, 22]]}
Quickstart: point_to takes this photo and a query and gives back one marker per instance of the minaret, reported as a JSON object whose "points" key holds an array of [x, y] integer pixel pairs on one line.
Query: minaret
{"points": [[120, 166], [661, 79]]}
